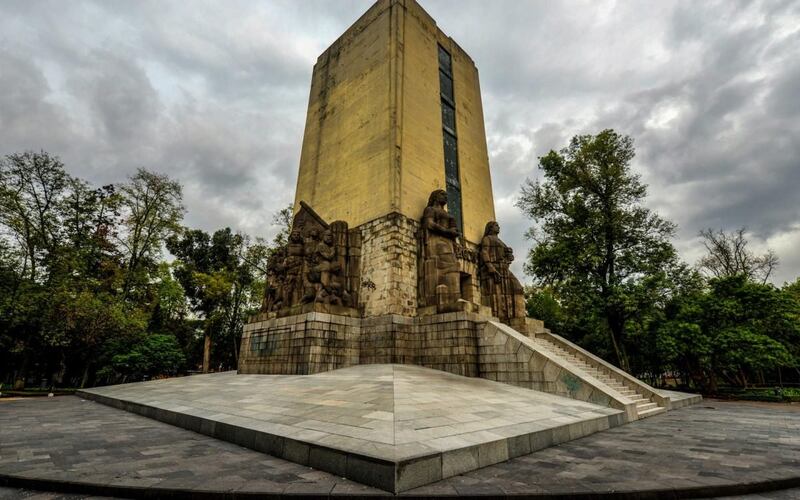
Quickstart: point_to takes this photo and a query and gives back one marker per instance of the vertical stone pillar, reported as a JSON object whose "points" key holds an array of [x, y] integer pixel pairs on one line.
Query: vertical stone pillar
{"points": [[388, 266]]}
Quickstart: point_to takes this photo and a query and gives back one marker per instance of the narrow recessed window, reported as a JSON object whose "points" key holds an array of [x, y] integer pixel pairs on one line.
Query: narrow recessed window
{"points": [[448, 102]]}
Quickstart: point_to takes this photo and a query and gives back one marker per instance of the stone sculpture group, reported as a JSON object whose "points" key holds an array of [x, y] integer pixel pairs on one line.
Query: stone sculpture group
{"points": [[320, 264], [317, 264]]}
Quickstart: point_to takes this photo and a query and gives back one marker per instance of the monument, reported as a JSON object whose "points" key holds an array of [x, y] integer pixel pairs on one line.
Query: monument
{"points": [[394, 254], [394, 172], [393, 346]]}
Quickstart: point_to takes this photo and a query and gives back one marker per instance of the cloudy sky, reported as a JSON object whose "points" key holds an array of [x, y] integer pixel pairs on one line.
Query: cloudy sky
{"points": [[215, 93]]}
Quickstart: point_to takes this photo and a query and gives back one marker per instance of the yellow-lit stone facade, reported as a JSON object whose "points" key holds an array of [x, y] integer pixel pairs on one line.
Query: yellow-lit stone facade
{"points": [[373, 142]]}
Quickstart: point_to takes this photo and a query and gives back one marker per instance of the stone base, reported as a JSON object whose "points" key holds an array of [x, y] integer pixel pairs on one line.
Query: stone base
{"points": [[315, 342], [394, 427], [463, 343]]}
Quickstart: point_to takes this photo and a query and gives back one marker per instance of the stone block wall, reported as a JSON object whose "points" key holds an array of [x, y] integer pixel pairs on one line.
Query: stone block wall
{"points": [[388, 266], [297, 345], [450, 342], [316, 342]]}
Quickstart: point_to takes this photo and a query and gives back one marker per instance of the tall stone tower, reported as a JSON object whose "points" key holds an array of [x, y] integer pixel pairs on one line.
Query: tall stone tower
{"points": [[395, 113]]}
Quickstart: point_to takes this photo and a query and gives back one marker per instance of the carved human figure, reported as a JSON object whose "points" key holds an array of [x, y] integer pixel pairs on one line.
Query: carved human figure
{"points": [[325, 257], [292, 286], [310, 274], [440, 263], [499, 287], [276, 280]]}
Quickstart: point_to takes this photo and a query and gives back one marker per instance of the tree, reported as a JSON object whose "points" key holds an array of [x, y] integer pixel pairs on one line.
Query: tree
{"points": [[155, 354], [283, 219], [151, 207], [219, 275], [541, 303], [735, 330], [83, 321], [32, 187], [32, 190], [597, 246], [729, 256]]}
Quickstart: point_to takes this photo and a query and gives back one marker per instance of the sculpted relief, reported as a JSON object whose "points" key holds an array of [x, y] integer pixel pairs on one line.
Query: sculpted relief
{"points": [[440, 278], [318, 264], [447, 266], [500, 289]]}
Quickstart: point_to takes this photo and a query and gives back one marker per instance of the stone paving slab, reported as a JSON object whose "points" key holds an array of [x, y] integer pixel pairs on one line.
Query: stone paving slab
{"points": [[391, 426], [674, 453], [713, 447]]}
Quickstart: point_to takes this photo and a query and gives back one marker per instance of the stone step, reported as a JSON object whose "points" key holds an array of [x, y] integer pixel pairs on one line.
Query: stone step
{"points": [[608, 378], [645, 406], [651, 412]]}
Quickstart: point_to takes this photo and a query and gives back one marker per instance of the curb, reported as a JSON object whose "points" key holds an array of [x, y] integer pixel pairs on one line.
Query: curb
{"points": [[77, 487]]}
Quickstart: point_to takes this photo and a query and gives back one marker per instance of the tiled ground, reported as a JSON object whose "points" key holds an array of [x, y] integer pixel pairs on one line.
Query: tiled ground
{"points": [[392, 412], [715, 443]]}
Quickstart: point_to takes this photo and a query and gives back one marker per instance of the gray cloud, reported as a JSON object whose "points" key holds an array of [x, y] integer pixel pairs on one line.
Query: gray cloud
{"points": [[214, 94]]}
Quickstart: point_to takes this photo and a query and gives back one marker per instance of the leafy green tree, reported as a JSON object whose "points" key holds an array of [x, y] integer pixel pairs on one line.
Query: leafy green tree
{"points": [[733, 332], [541, 303], [81, 322], [32, 188], [599, 248], [219, 274], [155, 354], [152, 209]]}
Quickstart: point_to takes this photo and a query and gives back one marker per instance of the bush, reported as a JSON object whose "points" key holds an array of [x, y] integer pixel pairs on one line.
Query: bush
{"points": [[156, 354]]}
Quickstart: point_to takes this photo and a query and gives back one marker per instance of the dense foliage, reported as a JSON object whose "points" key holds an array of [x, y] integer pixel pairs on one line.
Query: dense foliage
{"points": [[86, 296], [606, 275]]}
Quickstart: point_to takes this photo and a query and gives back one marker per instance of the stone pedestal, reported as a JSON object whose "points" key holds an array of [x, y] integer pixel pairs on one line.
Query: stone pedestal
{"points": [[314, 342]]}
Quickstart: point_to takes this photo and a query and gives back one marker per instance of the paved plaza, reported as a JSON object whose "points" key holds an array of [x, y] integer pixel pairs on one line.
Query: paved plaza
{"points": [[390, 426], [714, 447]]}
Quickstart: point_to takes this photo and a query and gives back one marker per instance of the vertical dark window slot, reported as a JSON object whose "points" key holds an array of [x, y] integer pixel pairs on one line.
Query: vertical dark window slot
{"points": [[453, 184]]}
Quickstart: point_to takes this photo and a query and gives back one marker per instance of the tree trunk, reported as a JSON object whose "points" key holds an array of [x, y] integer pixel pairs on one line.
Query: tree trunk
{"points": [[58, 377], [19, 381], [615, 330], [235, 321], [206, 353], [712, 383], [85, 377]]}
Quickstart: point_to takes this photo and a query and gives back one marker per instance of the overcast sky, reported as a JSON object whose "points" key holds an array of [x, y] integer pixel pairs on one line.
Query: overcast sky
{"points": [[215, 93]]}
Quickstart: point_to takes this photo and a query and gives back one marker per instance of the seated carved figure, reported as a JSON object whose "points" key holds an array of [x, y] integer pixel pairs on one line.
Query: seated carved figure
{"points": [[500, 289], [440, 279]]}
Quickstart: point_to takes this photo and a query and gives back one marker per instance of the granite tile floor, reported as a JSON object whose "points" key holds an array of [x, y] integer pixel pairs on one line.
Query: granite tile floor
{"points": [[392, 412], [712, 444]]}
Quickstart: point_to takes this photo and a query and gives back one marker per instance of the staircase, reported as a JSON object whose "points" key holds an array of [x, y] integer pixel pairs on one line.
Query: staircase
{"points": [[645, 406]]}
